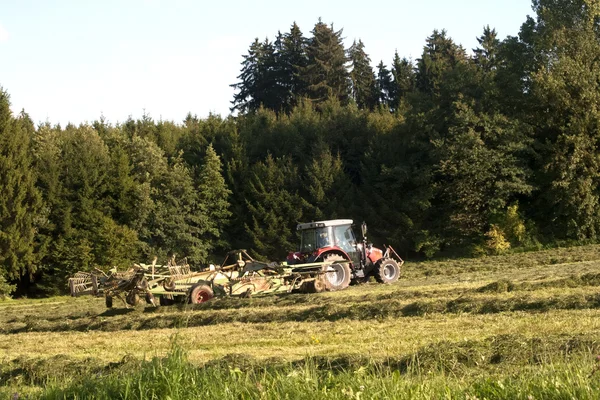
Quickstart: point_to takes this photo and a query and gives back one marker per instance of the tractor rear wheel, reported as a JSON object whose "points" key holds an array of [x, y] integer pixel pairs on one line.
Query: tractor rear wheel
{"points": [[201, 294], [387, 271], [339, 275]]}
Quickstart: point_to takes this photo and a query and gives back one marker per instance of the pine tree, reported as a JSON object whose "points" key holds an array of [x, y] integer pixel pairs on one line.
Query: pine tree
{"points": [[364, 89], [20, 202], [326, 73]]}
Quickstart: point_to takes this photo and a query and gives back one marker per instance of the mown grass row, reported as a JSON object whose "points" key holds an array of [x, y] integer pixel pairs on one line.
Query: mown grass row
{"points": [[514, 367], [309, 311]]}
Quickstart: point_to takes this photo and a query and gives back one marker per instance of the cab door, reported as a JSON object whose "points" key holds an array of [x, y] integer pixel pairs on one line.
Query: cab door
{"points": [[345, 240]]}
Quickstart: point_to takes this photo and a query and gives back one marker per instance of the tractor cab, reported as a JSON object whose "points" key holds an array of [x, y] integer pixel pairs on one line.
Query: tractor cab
{"points": [[332, 241], [320, 237]]}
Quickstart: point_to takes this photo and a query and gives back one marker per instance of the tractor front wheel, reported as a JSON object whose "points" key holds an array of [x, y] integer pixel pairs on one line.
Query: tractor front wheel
{"points": [[387, 271], [201, 294]]}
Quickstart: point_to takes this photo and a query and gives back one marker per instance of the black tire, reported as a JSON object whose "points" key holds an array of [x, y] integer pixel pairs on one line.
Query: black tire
{"points": [[164, 301], [108, 300], [200, 294], [387, 271], [339, 278]]}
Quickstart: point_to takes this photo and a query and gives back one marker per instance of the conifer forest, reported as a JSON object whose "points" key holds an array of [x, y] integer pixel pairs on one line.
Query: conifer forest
{"points": [[459, 152]]}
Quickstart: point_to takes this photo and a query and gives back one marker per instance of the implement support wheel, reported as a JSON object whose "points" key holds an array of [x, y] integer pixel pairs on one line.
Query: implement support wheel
{"points": [[201, 294]]}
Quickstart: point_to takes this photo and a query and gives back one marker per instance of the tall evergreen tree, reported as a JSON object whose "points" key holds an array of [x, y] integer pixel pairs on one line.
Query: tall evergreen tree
{"points": [[384, 84], [213, 199], [274, 207], [486, 56], [20, 202], [293, 60], [326, 73], [260, 80], [403, 73], [364, 89], [440, 55]]}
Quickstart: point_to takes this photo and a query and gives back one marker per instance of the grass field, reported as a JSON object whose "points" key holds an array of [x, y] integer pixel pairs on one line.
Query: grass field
{"points": [[516, 326]]}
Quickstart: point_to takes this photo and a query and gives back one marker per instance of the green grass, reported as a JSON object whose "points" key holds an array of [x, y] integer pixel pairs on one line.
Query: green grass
{"points": [[510, 326], [174, 377]]}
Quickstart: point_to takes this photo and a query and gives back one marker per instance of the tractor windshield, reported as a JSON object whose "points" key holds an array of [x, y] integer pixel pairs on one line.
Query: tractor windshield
{"points": [[316, 238]]}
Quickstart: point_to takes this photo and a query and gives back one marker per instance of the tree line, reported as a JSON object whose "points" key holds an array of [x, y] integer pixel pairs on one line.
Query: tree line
{"points": [[454, 153]]}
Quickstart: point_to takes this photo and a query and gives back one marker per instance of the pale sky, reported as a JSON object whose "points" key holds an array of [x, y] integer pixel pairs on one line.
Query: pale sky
{"points": [[75, 60]]}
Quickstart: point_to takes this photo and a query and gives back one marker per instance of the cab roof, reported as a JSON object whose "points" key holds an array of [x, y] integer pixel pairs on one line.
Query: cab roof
{"points": [[321, 224]]}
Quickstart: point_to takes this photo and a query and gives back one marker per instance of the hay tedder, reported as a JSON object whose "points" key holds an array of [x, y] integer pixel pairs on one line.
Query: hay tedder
{"points": [[239, 275]]}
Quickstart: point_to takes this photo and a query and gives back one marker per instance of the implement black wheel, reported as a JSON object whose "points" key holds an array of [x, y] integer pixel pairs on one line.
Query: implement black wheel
{"points": [[339, 275], [387, 271], [108, 300], [165, 301]]}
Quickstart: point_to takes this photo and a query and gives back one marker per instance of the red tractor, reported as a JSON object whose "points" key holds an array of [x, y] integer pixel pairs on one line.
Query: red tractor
{"points": [[334, 240]]}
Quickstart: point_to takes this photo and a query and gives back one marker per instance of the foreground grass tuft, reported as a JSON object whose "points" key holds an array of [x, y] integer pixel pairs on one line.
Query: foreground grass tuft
{"points": [[174, 377]]}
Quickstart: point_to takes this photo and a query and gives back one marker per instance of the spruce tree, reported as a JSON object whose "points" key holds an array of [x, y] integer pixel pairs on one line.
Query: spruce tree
{"points": [[20, 201], [274, 207], [403, 72], [213, 199], [440, 55], [364, 89], [293, 59], [486, 56], [246, 99], [384, 84], [326, 73], [260, 80]]}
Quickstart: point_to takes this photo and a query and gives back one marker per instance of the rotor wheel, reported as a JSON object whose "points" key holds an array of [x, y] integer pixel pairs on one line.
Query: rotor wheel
{"points": [[169, 284], [201, 294], [150, 299], [340, 274], [387, 271], [133, 298], [317, 285]]}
